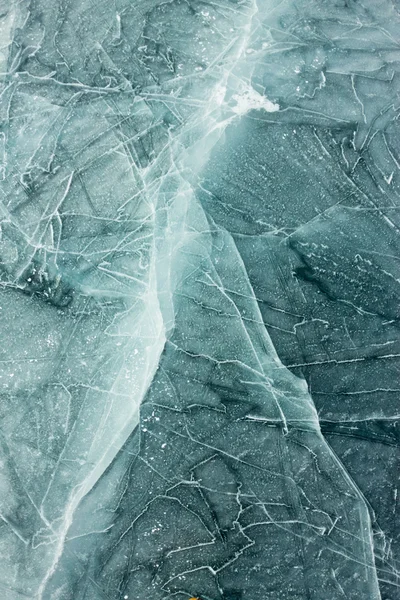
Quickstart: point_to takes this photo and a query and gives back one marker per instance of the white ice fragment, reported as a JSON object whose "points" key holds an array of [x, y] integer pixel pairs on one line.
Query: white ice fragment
{"points": [[250, 99], [389, 179]]}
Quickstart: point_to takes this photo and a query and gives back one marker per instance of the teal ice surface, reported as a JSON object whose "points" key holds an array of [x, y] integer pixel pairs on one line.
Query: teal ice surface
{"points": [[199, 300]]}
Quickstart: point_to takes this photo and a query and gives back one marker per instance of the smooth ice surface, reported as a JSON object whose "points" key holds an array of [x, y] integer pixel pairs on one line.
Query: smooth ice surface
{"points": [[199, 299]]}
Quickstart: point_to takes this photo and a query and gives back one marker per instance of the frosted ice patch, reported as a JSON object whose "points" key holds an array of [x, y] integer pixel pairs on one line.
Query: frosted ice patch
{"points": [[250, 99], [218, 95]]}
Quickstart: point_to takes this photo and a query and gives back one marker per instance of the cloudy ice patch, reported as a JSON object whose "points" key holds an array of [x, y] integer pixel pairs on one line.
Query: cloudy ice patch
{"points": [[250, 99]]}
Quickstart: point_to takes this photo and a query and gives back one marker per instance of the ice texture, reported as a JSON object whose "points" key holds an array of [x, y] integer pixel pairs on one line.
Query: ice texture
{"points": [[199, 299]]}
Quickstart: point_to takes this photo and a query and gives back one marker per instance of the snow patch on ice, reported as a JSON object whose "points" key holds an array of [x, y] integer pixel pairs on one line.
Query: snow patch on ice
{"points": [[250, 99]]}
